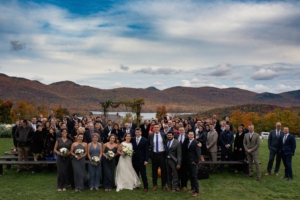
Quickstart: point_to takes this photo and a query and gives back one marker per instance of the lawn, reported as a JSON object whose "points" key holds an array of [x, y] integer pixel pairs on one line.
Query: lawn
{"points": [[219, 186]]}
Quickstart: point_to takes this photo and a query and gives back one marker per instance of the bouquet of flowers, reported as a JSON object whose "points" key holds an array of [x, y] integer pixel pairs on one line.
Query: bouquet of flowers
{"points": [[79, 152], [95, 160], [127, 151], [110, 155], [64, 151]]}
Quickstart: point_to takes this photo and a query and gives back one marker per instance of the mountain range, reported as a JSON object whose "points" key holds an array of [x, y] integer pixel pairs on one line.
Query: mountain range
{"points": [[78, 98]]}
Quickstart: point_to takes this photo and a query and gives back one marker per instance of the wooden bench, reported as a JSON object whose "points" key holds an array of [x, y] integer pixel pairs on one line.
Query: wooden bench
{"points": [[244, 163], [11, 153]]}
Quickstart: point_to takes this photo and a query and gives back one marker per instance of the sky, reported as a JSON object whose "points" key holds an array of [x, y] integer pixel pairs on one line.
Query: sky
{"points": [[252, 45]]}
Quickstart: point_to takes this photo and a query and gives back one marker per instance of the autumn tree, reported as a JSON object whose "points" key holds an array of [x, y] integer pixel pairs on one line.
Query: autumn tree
{"points": [[236, 118], [42, 110], [252, 118], [60, 111], [23, 109], [5, 109], [161, 111]]}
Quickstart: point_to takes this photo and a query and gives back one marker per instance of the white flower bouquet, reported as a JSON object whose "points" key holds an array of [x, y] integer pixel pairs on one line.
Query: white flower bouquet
{"points": [[79, 152], [95, 160], [110, 155], [64, 151], [127, 151]]}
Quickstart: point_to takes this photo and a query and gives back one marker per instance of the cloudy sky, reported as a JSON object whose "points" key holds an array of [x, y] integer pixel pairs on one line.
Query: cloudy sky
{"points": [[253, 45]]}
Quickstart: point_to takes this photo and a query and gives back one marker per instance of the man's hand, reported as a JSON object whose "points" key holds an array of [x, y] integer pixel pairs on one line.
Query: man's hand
{"points": [[145, 163], [199, 144], [249, 150], [178, 167], [241, 149]]}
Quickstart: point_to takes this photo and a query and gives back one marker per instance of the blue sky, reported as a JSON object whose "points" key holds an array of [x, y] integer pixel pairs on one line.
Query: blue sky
{"points": [[253, 45]]}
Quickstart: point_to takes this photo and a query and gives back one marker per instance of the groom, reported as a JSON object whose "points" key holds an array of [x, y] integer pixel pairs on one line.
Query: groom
{"points": [[140, 157]]}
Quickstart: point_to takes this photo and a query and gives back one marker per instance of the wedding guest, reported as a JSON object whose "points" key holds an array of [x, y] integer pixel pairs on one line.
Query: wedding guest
{"points": [[14, 128], [226, 140], [239, 150], [140, 157], [78, 162], [193, 155], [157, 142], [89, 132], [183, 171], [173, 157], [99, 127], [126, 177], [74, 132], [94, 149], [212, 146], [63, 162], [145, 128], [116, 131], [202, 139], [109, 163], [37, 145], [23, 137], [107, 131]]}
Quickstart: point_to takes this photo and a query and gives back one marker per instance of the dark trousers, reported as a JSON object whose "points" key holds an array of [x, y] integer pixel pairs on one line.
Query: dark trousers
{"points": [[287, 162], [193, 171], [158, 160], [140, 168], [183, 175], [271, 160], [226, 154], [172, 174]]}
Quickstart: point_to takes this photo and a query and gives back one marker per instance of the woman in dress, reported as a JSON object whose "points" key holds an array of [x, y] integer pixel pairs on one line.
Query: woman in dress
{"points": [[116, 130], [202, 139], [63, 162], [109, 164], [78, 163], [94, 149], [126, 177], [239, 150]]}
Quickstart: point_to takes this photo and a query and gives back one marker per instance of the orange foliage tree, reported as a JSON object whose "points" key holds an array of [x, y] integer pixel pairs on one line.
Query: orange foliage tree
{"points": [[161, 111]]}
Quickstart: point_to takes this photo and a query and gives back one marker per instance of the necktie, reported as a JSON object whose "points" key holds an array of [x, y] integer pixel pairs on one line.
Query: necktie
{"points": [[181, 139], [169, 145], [189, 144], [137, 141], [284, 139], [250, 136], [156, 143]]}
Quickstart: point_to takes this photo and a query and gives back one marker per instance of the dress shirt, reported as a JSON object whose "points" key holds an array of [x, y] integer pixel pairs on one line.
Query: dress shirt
{"points": [[160, 143]]}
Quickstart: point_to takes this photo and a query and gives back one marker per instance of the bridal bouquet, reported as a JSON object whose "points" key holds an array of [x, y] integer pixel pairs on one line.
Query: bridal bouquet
{"points": [[127, 151], [110, 155], [64, 151], [95, 160], [79, 152]]}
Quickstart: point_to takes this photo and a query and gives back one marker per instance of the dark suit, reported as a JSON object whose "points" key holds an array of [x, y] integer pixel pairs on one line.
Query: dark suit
{"points": [[183, 171], [131, 131], [173, 154], [158, 160], [107, 132], [141, 155], [145, 130], [88, 136], [193, 156], [287, 150], [273, 144], [132, 126], [119, 134], [226, 137]]}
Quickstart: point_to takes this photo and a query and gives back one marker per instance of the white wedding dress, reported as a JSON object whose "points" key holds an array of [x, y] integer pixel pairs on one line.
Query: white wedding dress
{"points": [[126, 178]]}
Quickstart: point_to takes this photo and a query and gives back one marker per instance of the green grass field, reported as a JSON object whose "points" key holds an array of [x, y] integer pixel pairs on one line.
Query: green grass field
{"points": [[219, 186]]}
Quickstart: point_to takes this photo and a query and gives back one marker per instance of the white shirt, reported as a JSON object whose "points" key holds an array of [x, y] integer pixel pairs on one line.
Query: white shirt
{"points": [[138, 140], [160, 143], [285, 137], [181, 136]]}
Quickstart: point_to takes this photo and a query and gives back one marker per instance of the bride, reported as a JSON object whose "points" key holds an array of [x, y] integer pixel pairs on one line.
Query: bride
{"points": [[126, 177]]}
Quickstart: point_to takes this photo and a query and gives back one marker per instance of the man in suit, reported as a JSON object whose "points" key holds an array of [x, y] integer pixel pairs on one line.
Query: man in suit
{"points": [[173, 154], [145, 128], [128, 130], [131, 124], [287, 149], [157, 142], [140, 157], [251, 145], [228, 122], [165, 129], [273, 144], [182, 172], [107, 131], [212, 146], [226, 140], [102, 121], [88, 133], [193, 156], [170, 126]]}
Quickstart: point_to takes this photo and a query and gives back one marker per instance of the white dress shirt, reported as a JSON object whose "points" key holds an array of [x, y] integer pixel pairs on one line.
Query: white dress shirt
{"points": [[160, 143]]}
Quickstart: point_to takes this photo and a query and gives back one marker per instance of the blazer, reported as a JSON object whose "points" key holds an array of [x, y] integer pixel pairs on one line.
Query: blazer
{"points": [[226, 138], [119, 135], [288, 148], [133, 126], [141, 151], [88, 138], [194, 152], [151, 137], [252, 144], [273, 141], [145, 131], [131, 131], [174, 152], [106, 133], [212, 141]]}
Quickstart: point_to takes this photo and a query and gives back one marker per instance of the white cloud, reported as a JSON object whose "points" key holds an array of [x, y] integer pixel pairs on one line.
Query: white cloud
{"points": [[265, 74], [37, 78], [158, 71]]}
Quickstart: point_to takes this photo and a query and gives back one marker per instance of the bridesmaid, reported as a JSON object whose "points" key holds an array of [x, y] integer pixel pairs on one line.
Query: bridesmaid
{"points": [[239, 150], [63, 162], [78, 163], [94, 149], [109, 165]]}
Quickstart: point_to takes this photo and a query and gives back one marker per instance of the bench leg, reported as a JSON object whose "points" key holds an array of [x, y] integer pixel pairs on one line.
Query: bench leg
{"points": [[1, 170], [8, 166], [246, 169]]}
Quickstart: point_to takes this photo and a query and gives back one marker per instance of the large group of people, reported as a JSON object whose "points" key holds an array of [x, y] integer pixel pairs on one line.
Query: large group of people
{"points": [[176, 146]]}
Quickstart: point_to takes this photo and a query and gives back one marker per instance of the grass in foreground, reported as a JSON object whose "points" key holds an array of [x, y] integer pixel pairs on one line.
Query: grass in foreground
{"points": [[219, 186]]}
